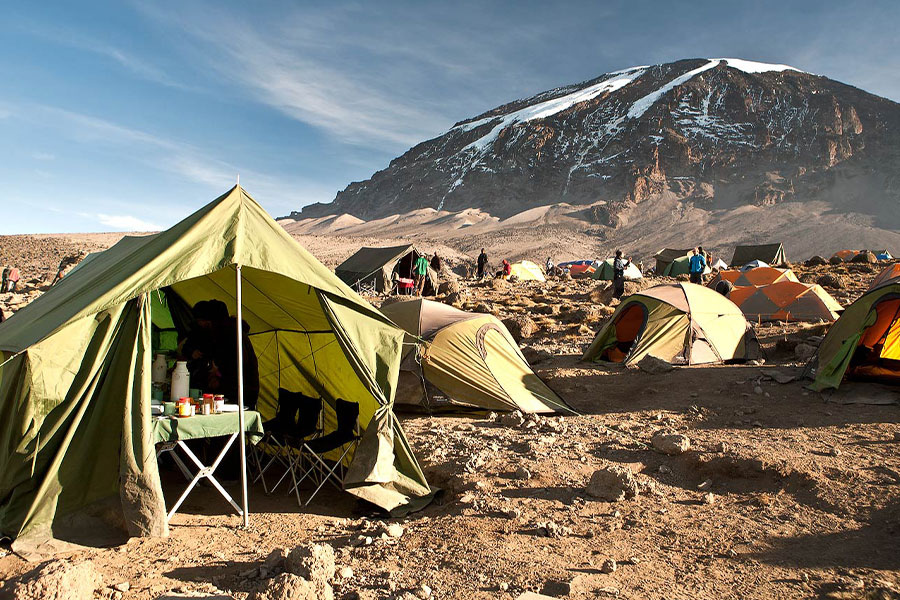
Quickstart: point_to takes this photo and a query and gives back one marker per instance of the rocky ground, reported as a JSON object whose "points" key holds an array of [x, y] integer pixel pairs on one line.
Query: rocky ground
{"points": [[699, 482]]}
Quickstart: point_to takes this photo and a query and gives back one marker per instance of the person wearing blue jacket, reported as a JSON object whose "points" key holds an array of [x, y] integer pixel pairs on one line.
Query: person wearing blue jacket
{"points": [[698, 264]]}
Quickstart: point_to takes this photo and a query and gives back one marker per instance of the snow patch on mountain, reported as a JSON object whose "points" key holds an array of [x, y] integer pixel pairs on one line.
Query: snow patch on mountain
{"points": [[547, 108], [747, 66]]}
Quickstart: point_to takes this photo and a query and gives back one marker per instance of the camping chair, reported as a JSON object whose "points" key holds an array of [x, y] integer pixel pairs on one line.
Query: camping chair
{"points": [[281, 431], [345, 438]]}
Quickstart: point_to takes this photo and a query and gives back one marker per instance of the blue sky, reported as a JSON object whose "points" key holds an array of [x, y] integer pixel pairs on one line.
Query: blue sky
{"points": [[130, 115]]}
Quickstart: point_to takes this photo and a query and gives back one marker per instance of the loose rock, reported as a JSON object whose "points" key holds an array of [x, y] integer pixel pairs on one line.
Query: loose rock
{"points": [[670, 443], [612, 483]]}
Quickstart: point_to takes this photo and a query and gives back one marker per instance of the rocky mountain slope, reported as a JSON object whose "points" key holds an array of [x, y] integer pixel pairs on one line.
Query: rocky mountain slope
{"points": [[622, 151]]}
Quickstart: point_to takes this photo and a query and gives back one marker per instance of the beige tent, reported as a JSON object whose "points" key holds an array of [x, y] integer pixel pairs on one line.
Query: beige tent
{"points": [[682, 323], [470, 358], [527, 271], [376, 268]]}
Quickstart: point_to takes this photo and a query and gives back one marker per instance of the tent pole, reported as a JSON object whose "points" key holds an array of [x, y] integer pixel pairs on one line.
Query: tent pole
{"points": [[240, 398]]}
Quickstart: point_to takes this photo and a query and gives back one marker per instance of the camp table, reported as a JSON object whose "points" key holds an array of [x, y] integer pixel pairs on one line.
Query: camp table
{"points": [[169, 434]]}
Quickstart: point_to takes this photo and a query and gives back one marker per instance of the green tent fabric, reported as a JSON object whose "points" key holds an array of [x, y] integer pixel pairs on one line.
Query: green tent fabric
{"points": [[837, 351], [681, 323], [376, 267], [605, 271], [470, 357], [665, 257], [75, 448], [771, 254], [682, 266]]}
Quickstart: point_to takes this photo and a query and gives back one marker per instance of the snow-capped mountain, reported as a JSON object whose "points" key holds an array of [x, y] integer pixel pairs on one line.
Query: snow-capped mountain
{"points": [[709, 133]]}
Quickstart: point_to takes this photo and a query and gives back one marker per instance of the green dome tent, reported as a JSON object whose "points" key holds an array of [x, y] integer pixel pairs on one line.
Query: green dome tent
{"points": [[864, 342], [76, 452], [605, 271], [681, 323]]}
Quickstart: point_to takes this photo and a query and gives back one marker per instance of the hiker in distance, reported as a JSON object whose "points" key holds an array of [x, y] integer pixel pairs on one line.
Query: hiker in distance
{"points": [[698, 264], [482, 264], [619, 266]]}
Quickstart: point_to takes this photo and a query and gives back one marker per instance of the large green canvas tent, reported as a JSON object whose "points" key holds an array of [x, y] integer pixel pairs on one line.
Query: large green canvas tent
{"points": [[771, 254], [375, 269], [470, 357], [76, 453], [864, 343]]}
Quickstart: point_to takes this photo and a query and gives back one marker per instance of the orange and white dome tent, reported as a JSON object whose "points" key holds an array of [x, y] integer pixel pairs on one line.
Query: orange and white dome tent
{"points": [[845, 255], [753, 277], [889, 272], [786, 301]]}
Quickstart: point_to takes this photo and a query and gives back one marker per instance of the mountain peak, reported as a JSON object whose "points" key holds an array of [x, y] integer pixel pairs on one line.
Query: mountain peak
{"points": [[709, 133]]}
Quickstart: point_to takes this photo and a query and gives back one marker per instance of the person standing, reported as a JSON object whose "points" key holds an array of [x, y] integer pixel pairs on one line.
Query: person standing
{"points": [[420, 269], [550, 267], [5, 279], [698, 265], [619, 266], [13, 279], [482, 264], [436, 263]]}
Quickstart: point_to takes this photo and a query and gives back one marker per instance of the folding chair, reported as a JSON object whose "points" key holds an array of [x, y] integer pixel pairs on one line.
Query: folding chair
{"points": [[296, 417], [313, 451]]}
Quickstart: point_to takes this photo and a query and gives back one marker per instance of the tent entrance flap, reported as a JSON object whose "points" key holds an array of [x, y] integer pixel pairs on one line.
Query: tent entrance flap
{"points": [[628, 327], [877, 354]]}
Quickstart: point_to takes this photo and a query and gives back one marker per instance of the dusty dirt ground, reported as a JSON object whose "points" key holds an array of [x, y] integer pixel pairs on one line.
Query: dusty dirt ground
{"points": [[785, 493]]}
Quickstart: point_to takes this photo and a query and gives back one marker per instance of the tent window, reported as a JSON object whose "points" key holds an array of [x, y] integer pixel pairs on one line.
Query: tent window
{"points": [[629, 325]]}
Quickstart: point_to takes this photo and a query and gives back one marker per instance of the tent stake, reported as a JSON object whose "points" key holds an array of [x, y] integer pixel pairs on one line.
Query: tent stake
{"points": [[240, 398]]}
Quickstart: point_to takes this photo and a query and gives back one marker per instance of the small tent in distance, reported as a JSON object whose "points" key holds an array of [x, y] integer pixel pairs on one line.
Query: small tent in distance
{"points": [[470, 357], [605, 271], [665, 257], [526, 271], [884, 255], [864, 343], [681, 323], [771, 254], [889, 272], [375, 269]]}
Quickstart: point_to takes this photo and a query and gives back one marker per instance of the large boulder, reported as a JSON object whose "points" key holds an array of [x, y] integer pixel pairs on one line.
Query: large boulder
{"points": [[831, 280], [314, 562], [521, 327], [450, 286], [815, 261], [499, 284], [865, 257], [836, 260], [612, 483], [653, 365], [288, 586], [672, 444], [56, 580]]}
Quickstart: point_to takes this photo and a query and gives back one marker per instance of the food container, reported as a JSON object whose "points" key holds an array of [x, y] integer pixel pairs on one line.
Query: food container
{"points": [[218, 403], [205, 409], [170, 409], [185, 408]]}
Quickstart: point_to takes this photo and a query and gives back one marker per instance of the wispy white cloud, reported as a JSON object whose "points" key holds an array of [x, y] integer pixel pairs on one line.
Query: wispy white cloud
{"points": [[42, 156], [183, 160], [327, 69], [127, 223], [78, 41]]}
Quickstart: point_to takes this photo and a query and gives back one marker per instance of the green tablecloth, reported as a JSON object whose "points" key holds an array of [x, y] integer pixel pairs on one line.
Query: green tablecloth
{"points": [[172, 429]]}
